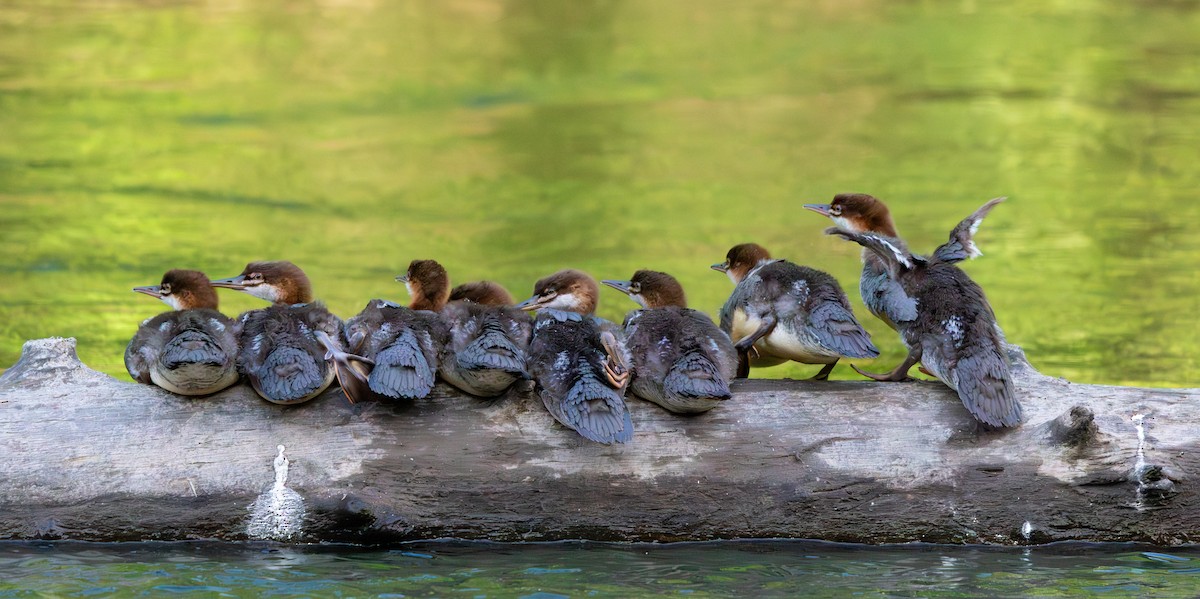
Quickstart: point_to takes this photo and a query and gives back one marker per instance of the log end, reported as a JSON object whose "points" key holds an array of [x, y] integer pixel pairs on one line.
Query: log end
{"points": [[49, 360]]}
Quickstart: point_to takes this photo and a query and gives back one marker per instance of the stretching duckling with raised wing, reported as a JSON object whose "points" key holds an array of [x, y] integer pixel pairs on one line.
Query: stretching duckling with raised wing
{"points": [[681, 360], [781, 311], [190, 351], [580, 364], [953, 331]]}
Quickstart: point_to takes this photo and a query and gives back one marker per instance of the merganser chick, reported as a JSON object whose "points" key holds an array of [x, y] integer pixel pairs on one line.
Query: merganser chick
{"points": [[283, 346], [784, 311], [860, 213], [488, 341], [488, 293], [393, 350], [579, 362], [953, 333], [681, 360], [190, 351]]}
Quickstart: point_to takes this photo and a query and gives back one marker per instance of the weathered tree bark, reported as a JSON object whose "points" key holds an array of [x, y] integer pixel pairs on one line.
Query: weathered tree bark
{"points": [[85, 456]]}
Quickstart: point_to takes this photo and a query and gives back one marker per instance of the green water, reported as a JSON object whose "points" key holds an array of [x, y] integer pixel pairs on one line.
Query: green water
{"points": [[477, 571], [511, 139]]}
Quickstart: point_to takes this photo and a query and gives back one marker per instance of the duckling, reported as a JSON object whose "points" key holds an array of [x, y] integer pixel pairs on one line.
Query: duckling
{"points": [[489, 338], [488, 293], [580, 364], [953, 333], [283, 346], [393, 350], [190, 351], [788, 312], [681, 360], [858, 213]]}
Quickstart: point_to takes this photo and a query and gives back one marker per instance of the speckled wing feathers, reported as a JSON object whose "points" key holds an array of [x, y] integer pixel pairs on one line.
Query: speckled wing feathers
{"points": [[280, 354], [961, 245], [567, 360], [682, 361], [405, 344], [984, 384], [401, 370], [487, 347], [694, 376], [593, 409], [191, 352], [287, 374], [836, 329], [886, 298]]}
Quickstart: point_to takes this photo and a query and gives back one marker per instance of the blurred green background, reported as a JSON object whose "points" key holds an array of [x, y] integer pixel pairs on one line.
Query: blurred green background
{"points": [[508, 139]]}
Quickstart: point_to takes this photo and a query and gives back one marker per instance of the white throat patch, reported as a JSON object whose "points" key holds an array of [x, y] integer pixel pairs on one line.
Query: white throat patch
{"points": [[844, 224], [264, 291], [566, 301], [172, 301]]}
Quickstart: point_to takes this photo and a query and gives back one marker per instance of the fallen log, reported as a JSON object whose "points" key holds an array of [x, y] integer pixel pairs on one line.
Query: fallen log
{"points": [[88, 457]]}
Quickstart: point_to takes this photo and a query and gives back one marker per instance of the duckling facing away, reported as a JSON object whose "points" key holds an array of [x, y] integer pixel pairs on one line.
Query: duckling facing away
{"points": [[788, 312], [393, 350], [578, 360], [953, 332], [191, 351], [681, 360], [488, 293], [488, 340], [283, 346]]}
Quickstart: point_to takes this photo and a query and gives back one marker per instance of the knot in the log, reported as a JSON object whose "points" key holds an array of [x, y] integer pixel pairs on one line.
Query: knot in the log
{"points": [[1075, 428]]}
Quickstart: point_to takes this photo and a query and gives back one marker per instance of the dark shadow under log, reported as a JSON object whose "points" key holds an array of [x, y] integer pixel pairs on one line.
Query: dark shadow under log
{"points": [[88, 457]]}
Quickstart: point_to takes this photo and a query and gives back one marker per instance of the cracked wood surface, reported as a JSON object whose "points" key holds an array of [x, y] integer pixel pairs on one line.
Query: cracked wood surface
{"points": [[89, 457]]}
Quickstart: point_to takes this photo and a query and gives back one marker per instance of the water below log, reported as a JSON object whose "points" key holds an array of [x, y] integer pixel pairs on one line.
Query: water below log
{"points": [[88, 457]]}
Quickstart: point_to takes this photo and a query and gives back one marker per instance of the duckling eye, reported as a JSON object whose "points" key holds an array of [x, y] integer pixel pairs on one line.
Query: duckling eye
{"points": [[164, 289], [636, 287], [255, 276], [549, 293], [835, 210]]}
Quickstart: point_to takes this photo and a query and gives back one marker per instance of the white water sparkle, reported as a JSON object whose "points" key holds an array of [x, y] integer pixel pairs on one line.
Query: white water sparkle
{"points": [[277, 514]]}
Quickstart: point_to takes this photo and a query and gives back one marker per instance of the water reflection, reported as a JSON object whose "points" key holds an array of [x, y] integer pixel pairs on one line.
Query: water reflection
{"points": [[775, 568], [549, 37], [510, 138], [565, 156]]}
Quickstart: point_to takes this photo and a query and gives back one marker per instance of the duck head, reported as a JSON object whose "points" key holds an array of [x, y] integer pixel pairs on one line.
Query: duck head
{"points": [[278, 281], [741, 259], [857, 213], [183, 290], [570, 290], [427, 283], [651, 289]]}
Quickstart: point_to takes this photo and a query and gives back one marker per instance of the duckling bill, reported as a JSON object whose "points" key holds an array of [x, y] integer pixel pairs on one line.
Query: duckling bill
{"points": [[191, 350], [283, 345], [782, 311], [681, 360], [579, 362]]}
